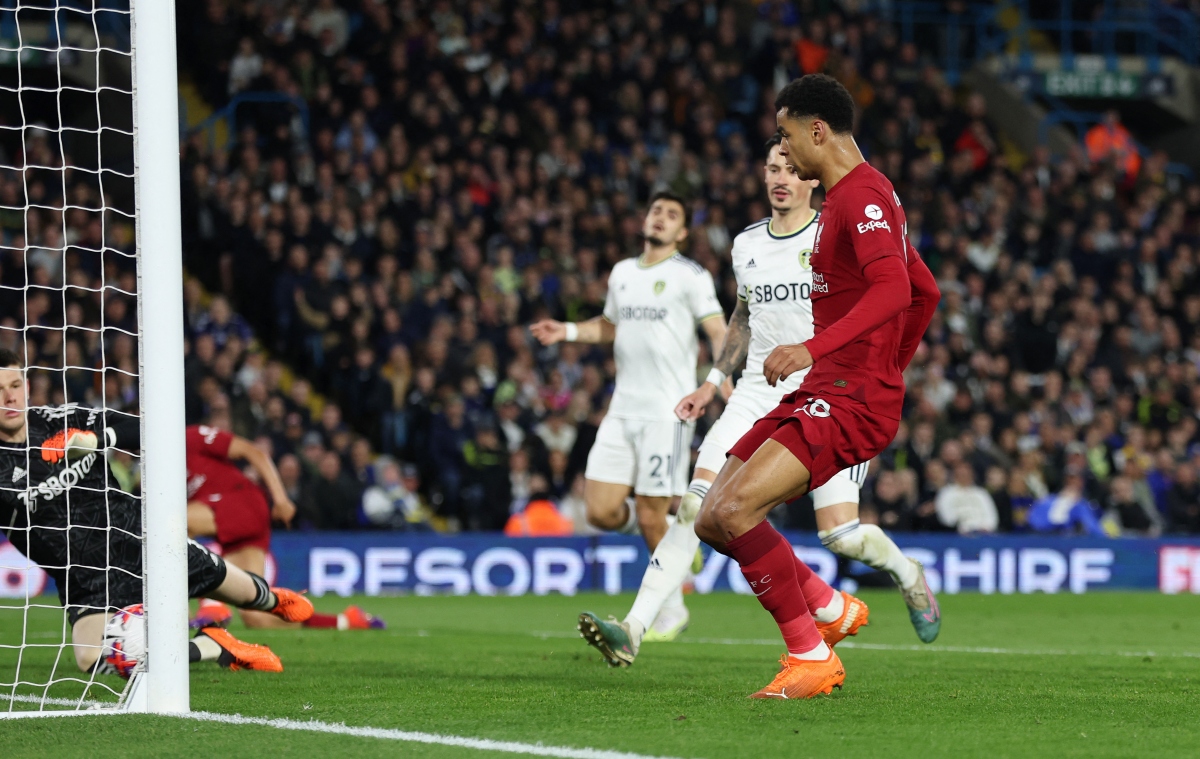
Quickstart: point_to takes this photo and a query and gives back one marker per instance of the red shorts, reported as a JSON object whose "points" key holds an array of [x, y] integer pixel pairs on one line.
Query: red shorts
{"points": [[826, 434], [243, 519]]}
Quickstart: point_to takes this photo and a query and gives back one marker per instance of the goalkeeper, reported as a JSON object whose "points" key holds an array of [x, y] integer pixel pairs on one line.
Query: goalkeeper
{"points": [[62, 509]]}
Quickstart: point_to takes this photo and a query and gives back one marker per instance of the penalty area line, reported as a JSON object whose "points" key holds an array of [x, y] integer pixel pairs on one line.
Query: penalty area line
{"points": [[934, 648], [479, 744]]}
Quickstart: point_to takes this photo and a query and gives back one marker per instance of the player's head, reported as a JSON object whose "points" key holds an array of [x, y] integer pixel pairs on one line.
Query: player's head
{"points": [[785, 190], [666, 220], [12, 393], [815, 114]]}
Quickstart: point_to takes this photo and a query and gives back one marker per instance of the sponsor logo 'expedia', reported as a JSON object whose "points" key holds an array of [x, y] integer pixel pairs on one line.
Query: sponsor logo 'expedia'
{"points": [[873, 225], [643, 313], [59, 483]]}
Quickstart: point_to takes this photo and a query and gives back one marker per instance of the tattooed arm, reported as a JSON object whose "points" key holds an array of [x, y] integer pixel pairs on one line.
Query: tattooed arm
{"points": [[731, 358]]}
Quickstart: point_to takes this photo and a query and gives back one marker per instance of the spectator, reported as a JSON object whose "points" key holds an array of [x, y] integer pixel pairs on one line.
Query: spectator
{"points": [[1067, 512], [1134, 515], [331, 501], [964, 506], [1110, 141], [1183, 501]]}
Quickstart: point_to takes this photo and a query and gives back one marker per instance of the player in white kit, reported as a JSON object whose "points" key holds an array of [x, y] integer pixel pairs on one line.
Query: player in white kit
{"points": [[653, 307], [774, 277]]}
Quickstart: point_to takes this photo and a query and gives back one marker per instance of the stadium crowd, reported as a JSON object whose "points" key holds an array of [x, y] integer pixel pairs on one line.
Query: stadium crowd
{"points": [[366, 267]]}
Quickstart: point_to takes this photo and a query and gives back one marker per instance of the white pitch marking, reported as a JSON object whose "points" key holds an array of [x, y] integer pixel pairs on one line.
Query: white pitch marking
{"points": [[546, 634], [481, 744]]}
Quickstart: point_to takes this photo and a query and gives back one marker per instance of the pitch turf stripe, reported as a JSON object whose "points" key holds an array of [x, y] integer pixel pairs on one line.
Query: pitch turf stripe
{"points": [[480, 744], [914, 647]]}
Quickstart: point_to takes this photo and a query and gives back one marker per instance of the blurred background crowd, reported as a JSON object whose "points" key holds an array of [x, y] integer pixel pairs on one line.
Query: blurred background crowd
{"points": [[363, 270]]}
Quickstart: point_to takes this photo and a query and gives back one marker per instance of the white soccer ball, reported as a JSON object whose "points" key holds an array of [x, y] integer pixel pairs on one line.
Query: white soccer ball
{"points": [[125, 640]]}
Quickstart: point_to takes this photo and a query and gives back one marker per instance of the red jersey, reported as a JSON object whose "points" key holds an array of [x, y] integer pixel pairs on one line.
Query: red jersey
{"points": [[211, 476], [861, 224]]}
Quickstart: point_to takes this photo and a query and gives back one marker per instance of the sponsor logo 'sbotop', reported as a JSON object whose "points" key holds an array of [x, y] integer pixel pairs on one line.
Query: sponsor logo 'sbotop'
{"points": [[59, 483]]}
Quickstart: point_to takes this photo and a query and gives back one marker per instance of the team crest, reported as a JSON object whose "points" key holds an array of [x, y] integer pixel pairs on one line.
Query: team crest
{"points": [[806, 258], [659, 286]]}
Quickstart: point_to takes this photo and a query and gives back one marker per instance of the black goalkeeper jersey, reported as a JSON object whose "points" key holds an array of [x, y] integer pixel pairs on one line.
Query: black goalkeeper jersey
{"points": [[68, 515]]}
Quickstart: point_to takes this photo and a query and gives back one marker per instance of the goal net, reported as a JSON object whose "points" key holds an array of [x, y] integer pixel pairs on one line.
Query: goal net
{"points": [[73, 305]]}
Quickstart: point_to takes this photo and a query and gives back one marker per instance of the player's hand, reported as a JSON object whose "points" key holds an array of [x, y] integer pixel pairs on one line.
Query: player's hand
{"points": [[785, 361], [284, 511], [549, 332], [692, 406], [70, 444]]}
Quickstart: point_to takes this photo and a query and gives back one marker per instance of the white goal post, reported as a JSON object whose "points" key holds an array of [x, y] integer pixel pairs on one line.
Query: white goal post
{"points": [[59, 56], [160, 290]]}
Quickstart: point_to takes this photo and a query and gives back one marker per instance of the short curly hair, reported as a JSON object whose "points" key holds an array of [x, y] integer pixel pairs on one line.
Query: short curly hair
{"points": [[818, 96]]}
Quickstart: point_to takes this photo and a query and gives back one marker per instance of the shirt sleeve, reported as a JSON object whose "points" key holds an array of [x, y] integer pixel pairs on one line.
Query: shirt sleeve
{"points": [[888, 294], [208, 441], [925, 297], [704, 303], [612, 311]]}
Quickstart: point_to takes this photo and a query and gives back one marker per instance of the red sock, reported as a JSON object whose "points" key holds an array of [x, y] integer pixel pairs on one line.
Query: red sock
{"points": [[817, 593], [322, 620], [769, 565]]}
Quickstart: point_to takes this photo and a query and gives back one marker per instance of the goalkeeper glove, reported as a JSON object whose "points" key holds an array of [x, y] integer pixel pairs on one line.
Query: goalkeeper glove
{"points": [[71, 444]]}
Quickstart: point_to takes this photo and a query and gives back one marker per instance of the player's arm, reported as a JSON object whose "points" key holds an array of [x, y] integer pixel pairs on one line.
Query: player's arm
{"points": [[90, 429], [735, 345], [887, 296], [595, 330], [925, 298], [241, 448]]}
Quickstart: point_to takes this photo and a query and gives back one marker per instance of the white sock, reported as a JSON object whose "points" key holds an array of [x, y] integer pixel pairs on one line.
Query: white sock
{"points": [[631, 522], [832, 612], [343, 622], [209, 649], [870, 545], [663, 580], [675, 600], [820, 653], [637, 631]]}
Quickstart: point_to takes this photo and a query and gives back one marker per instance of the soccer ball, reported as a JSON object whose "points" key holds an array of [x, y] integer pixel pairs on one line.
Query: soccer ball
{"points": [[124, 645]]}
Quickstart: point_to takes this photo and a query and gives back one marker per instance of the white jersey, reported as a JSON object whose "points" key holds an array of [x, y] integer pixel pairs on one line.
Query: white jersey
{"points": [[774, 278], [656, 309]]}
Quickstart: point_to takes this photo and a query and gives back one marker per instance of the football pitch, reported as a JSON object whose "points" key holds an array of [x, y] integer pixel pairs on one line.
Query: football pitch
{"points": [[1106, 674]]}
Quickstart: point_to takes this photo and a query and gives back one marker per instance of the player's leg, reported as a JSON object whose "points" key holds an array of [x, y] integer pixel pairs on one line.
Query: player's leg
{"points": [[254, 560], [609, 477], [655, 450], [836, 505], [733, 521], [658, 607], [87, 636], [210, 576], [201, 520]]}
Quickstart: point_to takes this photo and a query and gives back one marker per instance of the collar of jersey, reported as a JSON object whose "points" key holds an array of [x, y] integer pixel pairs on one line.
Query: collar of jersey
{"points": [[656, 263], [807, 224]]}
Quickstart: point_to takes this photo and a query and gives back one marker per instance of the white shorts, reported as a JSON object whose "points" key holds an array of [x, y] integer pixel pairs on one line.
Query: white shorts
{"points": [[750, 402], [651, 456]]}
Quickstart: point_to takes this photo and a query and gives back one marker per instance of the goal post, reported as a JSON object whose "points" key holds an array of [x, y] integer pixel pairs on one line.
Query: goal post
{"points": [[160, 293]]}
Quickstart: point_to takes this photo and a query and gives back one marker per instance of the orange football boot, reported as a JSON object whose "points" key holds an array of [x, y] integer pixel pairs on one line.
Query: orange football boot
{"points": [[291, 606], [244, 655], [854, 616], [804, 679]]}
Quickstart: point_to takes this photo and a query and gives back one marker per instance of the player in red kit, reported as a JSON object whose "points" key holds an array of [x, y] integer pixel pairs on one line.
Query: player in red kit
{"points": [[872, 299], [223, 503]]}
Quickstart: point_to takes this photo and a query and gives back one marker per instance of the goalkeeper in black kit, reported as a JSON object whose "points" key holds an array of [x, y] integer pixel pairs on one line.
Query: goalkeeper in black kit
{"points": [[61, 507]]}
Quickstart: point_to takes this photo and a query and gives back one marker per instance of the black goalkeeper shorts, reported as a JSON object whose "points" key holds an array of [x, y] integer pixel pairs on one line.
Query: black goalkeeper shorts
{"points": [[90, 594]]}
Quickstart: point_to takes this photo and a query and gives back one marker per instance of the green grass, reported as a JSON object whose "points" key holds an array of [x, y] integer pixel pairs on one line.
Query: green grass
{"points": [[477, 667]]}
